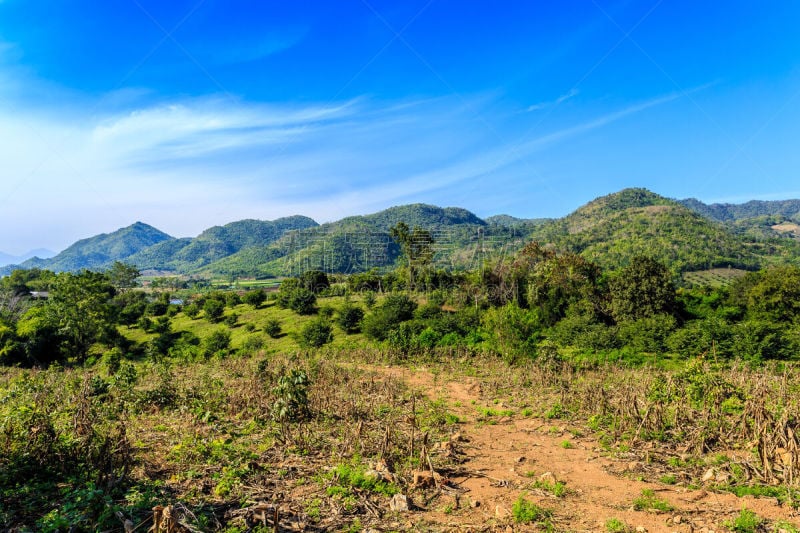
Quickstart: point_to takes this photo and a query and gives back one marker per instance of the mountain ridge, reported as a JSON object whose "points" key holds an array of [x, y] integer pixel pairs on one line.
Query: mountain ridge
{"points": [[684, 233]]}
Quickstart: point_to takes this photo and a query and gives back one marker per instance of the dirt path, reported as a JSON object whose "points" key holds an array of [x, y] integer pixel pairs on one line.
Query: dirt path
{"points": [[507, 456]]}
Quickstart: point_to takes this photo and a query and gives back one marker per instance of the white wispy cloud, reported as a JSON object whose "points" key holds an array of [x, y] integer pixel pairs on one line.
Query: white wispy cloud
{"points": [[550, 103]]}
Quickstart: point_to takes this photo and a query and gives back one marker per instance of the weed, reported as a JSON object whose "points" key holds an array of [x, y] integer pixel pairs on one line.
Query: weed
{"points": [[557, 489], [567, 445], [648, 501], [527, 512], [615, 525], [668, 479], [745, 522], [556, 411], [788, 527]]}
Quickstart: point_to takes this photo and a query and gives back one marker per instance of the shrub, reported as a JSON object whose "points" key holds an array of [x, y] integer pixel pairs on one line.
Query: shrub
{"points": [[255, 298], [316, 333], [214, 310], [218, 343], [350, 317], [273, 328]]}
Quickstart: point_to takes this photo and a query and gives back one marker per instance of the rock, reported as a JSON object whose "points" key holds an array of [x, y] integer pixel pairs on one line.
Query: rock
{"points": [[504, 420], [677, 519], [373, 475], [709, 475], [458, 437], [633, 465], [549, 478], [500, 511], [399, 503], [521, 459], [641, 529], [475, 504], [423, 479]]}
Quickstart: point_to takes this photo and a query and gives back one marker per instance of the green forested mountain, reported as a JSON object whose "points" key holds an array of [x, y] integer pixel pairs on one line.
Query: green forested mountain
{"points": [[102, 250], [786, 209], [358, 243], [218, 242], [612, 229]]}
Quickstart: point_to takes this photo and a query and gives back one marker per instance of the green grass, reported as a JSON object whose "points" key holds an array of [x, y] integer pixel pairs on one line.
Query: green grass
{"points": [[615, 525], [648, 501], [526, 512], [745, 522]]}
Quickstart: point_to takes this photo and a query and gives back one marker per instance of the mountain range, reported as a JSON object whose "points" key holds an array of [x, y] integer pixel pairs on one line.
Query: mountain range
{"points": [[9, 259], [686, 234]]}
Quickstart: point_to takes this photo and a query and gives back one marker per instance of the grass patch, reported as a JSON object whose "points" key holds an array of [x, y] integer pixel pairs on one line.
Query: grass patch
{"points": [[648, 501], [745, 522], [525, 511]]}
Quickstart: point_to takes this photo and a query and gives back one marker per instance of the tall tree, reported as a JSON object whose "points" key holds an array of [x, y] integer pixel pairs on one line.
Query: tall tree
{"points": [[417, 247], [642, 289], [122, 275]]}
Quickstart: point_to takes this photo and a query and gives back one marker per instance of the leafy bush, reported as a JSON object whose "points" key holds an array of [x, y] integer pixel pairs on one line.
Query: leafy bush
{"points": [[256, 298], [214, 309], [272, 327], [350, 317], [218, 343], [316, 333]]}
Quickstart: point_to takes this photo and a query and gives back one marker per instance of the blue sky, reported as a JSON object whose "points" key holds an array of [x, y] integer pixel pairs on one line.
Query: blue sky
{"points": [[187, 114]]}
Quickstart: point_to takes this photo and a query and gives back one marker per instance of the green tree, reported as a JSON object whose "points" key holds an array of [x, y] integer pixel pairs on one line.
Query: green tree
{"points": [[350, 317], [315, 333], [214, 309], [256, 298], [416, 246], [642, 289], [123, 276]]}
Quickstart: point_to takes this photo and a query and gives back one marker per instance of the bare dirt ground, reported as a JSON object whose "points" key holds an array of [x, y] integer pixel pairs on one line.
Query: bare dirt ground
{"points": [[504, 458]]}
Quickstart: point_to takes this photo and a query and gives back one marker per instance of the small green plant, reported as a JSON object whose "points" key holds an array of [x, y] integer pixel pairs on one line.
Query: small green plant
{"points": [[557, 489], [648, 501], [745, 522], [668, 479], [783, 525], [272, 327], [567, 445], [615, 525], [353, 475], [527, 512], [556, 411]]}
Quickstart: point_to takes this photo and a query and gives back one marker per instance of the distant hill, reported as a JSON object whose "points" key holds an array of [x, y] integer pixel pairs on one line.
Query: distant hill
{"points": [[613, 228], [102, 250], [358, 243], [218, 242], [514, 222], [786, 209], [8, 259]]}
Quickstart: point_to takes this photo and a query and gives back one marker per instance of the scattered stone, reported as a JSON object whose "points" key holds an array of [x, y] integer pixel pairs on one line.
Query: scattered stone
{"points": [[457, 437], [504, 420], [677, 519], [641, 529], [521, 459], [633, 465], [475, 504], [423, 479], [709, 475], [500, 511], [399, 503]]}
